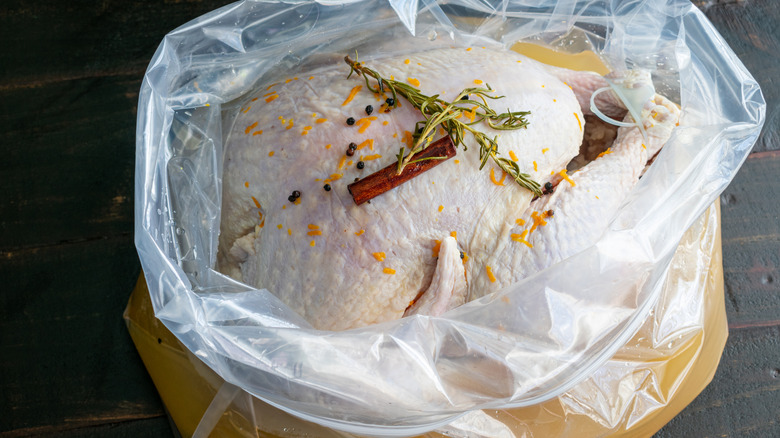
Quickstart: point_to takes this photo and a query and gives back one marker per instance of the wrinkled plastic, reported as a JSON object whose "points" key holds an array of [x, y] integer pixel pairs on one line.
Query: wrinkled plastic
{"points": [[424, 372], [650, 379]]}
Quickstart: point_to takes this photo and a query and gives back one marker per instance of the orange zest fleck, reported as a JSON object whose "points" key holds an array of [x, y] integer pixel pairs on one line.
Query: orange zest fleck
{"points": [[247, 109], [250, 128], [389, 271], [315, 233], [385, 123], [413, 81], [257, 203], [407, 61], [320, 120], [289, 232], [535, 167], [441, 208], [607, 152], [566, 177], [512, 155], [246, 184], [436, 248], [360, 233], [342, 161], [471, 114], [544, 151], [271, 86], [311, 77], [271, 98], [490, 275], [493, 177], [313, 227], [364, 123], [379, 256], [469, 49], [279, 226], [521, 238], [333, 177], [457, 161], [538, 220], [254, 99], [578, 120], [454, 234], [369, 143], [352, 94], [520, 221], [371, 157], [327, 146], [477, 81], [271, 154], [289, 125], [257, 132], [313, 243]]}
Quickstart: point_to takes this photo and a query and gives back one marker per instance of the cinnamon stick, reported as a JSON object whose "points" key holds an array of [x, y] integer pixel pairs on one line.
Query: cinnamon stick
{"points": [[386, 179]]}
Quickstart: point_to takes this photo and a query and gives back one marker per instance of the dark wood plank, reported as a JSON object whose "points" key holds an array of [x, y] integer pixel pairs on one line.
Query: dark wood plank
{"points": [[742, 400], [751, 243], [157, 426], [68, 161], [750, 28], [67, 359], [45, 42]]}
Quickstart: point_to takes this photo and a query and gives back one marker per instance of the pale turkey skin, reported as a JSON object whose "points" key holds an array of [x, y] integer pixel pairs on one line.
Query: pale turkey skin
{"points": [[342, 266]]}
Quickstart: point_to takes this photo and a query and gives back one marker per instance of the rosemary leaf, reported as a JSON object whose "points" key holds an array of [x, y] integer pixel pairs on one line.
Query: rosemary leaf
{"points": [[438, 112]]}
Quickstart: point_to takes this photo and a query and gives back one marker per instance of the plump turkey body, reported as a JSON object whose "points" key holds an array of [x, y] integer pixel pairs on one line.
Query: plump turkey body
{"points": [[341, 265]]}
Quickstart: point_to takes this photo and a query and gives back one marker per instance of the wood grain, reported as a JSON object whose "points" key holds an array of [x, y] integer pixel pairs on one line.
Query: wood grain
{"points": [[67, 358]]}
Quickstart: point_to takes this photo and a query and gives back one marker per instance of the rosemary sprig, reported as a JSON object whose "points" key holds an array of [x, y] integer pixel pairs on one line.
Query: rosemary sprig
{"points": [[438, 112]]}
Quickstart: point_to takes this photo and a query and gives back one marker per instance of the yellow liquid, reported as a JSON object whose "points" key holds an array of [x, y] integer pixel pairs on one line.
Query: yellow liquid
{"points": [[583, 61]]}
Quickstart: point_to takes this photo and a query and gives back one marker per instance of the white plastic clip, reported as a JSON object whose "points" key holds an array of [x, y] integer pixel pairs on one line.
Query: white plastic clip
{"points": [[634, 90]]}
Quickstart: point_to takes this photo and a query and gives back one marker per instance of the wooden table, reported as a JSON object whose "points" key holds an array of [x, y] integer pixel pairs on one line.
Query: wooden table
{"points": [[70, 79]]}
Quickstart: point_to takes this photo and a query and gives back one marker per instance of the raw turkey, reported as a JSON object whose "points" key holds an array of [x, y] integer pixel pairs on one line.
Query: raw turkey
{"points": [[447, 236]]}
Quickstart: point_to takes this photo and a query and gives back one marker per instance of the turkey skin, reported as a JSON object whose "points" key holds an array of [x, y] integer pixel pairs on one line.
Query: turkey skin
{"points": [[454, 233]]}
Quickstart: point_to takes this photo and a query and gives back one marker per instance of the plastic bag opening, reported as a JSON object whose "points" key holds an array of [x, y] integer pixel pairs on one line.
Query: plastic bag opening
{"points": [[424, 371]]}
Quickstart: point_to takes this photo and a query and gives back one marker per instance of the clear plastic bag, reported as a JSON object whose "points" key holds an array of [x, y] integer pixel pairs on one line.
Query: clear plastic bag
{"points": [[425, 372], [647, 382]]}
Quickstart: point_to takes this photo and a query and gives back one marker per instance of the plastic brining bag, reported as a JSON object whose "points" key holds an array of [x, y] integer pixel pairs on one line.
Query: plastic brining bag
{"points": [[418, 373]]}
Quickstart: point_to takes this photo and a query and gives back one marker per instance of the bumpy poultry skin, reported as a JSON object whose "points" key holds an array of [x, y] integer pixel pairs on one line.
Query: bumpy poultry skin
{"points": [[340, 265]]}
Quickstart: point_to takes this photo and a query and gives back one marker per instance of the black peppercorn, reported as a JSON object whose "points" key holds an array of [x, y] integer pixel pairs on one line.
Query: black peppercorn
{"points": [[390, 101], [550, 213], [291, 198], [369, 109], [548, 188], [351, 121], [296, 193], [350, 152], [462, 256], [466, 97], [352, 146], [361, 164], [326, 187]]}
